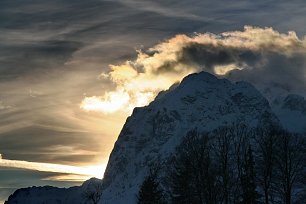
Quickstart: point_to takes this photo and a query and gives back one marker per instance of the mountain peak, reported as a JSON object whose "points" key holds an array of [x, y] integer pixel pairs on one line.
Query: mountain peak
{"points": [[201, 76]]}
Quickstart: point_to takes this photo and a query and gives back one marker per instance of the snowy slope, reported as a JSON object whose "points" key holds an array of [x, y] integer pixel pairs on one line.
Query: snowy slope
{"points": [[51, 195], [287, 103], [291, 110], [151, 134]]}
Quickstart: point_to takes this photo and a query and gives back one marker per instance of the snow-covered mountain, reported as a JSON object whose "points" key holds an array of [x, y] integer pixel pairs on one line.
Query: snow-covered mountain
{"points": [[53, 195], [151, 134]]}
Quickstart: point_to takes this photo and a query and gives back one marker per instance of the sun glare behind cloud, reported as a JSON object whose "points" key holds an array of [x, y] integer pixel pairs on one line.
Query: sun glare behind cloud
{"points": [[111, 102]]}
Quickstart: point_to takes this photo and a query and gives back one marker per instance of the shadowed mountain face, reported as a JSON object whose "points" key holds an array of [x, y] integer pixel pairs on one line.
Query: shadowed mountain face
{"points": [[150, 136]]}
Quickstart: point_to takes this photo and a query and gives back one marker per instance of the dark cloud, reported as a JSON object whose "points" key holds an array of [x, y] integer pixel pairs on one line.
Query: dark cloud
{"points": [[267, 65], [209, 56], [31, 144], [35, 56]]}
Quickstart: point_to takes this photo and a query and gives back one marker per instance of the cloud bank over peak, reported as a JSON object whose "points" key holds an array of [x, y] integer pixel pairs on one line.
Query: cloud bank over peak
{"points": [[258, 55]]}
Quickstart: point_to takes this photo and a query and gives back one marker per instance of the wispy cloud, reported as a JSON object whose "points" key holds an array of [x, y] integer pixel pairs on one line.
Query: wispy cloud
{"points": [[3, 106], [151, 6], [78, 172]]}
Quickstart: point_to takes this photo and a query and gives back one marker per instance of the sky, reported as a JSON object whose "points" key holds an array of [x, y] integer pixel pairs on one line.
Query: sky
{"points": [[71, 71]]}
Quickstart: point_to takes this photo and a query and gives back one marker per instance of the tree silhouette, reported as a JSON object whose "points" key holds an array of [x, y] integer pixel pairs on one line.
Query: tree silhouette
{"points": [[150, 191], [290, 164], [266, 159], [248, 182], [193, 178]]}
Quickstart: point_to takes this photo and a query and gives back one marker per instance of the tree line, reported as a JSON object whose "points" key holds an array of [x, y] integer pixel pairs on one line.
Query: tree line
{"points": [[232, 165]]}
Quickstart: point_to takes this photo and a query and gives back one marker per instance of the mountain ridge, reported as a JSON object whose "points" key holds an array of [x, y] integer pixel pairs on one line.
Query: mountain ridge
{"points": [[51, 194]]}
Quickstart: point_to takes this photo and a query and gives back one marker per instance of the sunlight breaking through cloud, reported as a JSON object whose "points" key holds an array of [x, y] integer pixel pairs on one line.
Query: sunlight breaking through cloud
{"points": [[252, 50], [111, 102]]}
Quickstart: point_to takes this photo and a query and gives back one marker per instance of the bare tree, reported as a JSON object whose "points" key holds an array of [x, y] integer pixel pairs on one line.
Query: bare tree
{"points": [[194, 177], [244, 190], [266, 141], [237, 165], [240, 141], [290, 163], [224, 157]]}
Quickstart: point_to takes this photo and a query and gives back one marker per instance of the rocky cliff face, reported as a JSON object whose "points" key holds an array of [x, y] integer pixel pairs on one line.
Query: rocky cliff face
{"points": [[150, 135]]}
